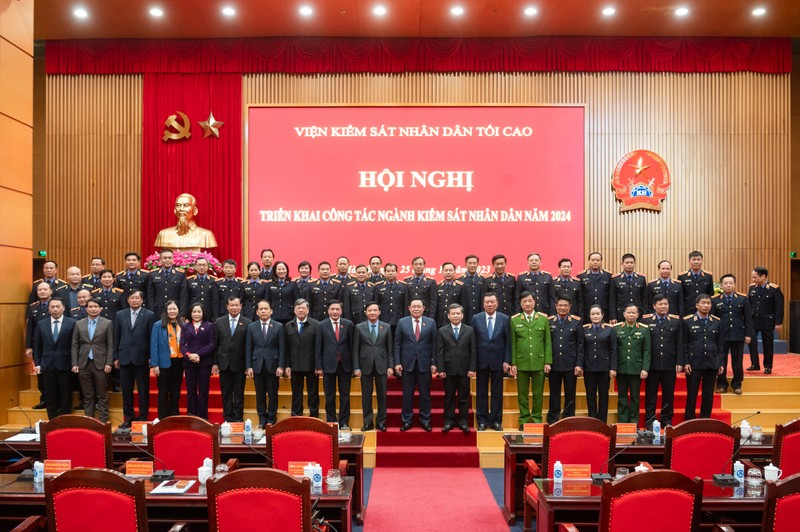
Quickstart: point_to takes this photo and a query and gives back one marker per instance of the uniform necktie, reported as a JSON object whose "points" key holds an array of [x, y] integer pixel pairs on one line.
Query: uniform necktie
{"points": [[455, 332], [233, 325], [417, 331], [374, 333], [418, 279], [728, 299], [665, 285], [130, 277], [560, 322], [55, 330], [529, 318], [596, 328], [336, 329], [630, 278], [264, 330], [490, 326]]}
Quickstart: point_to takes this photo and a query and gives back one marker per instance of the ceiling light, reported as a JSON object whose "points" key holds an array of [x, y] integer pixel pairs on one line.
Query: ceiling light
{"points": [[682, 11], [608, 11], [759, 12], [80, 12], [156, 12], [306, 11], [379, 10], [530, 11], [457, 11], [228, 11]]}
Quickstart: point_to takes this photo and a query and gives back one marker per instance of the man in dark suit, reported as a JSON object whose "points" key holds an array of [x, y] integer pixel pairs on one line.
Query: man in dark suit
{"points": [[265, 359], [303, 343], [493, 339], [229, 359], [132, 328], [733, 309], [456, 358], [415, 356], [52, 344], [373, 362], [92, 357], [335, 358], [766, 304], [37, 312]]}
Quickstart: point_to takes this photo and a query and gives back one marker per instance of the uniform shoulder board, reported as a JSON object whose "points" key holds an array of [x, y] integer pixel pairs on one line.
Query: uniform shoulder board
{"points": [[607, 325], [458, 282], [674, 316], [191, 277], [520, 274], [179, 269], [752, 284], [333, 280], [575, 317], [380, 283], [602, 270], [684, 273], [398, 281], [708, 273], [573, 279], [640, 274], [96, 290], [351, 283], [120, 273], [551, 318], [619, 324], [214, 278], [677, 281], [690, 316], [370, 283], [240, 279], [429, 278], [118, 290], [37, 281], [587, 325], [646, 326], [542, 271], [33, 304], [773, 285], [716, 296], [517, 314], [540, 314], [713, 317], [741, 294], [75, 308], [407, 278], [615, 275], [647, 316]]}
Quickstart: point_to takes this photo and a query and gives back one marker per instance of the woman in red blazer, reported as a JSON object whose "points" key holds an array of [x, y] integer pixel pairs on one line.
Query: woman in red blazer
{"points": [[198, 342]]}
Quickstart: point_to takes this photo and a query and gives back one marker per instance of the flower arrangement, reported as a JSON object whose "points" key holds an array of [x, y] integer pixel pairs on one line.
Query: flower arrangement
{"points": [[186, 261]]}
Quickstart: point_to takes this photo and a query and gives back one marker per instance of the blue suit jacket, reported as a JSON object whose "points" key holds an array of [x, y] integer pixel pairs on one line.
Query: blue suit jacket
{"points": [[53, 355], [492, 352], [132, 346], [265, 355], [412, 354], [159, 346]]}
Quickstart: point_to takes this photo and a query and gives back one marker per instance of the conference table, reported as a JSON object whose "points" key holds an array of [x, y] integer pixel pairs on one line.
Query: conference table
{"points": [[518, 448], [578, 502], [20, 499], [125, 448]]}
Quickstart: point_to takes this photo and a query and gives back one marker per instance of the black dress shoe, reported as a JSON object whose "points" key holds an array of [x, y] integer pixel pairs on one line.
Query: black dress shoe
{"points": [[382, 428], [427, 427], [40, 406], [767, 371], [447, 427], [481, 427], [464, 427], [405, 427], [365, 428], [753, 368], [497, 427]]}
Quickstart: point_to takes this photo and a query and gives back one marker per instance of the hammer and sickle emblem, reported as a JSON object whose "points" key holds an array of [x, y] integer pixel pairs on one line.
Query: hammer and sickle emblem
{"points": [[181, 128]]}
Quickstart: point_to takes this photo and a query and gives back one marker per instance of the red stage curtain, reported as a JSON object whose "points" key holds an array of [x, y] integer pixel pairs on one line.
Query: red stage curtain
{"points": [[209, 168], [306, 55]]}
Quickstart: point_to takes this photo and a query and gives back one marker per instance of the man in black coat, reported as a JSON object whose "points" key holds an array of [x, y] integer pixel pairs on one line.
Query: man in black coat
{"points": [[336, 360], [265, 359], [229, 359], [132, 327], [52, 358], [303, 344], [457, 360]]}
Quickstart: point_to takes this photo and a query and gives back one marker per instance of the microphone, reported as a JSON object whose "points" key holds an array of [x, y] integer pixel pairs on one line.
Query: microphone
{"points": [[120, 431], [598, 478], [561, 415], [724, 479], [645, 432], [26, 474], [29, 429], [160, 474], [748, 417]]}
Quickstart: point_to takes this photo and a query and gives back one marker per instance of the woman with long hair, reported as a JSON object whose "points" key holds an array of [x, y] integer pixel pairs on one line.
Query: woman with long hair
{"points": [[198, 342], [166, 359]]}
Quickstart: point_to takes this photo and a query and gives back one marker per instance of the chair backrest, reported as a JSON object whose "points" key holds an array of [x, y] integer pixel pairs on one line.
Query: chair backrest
{"points": [[95, 500], [701, 447], [182, 442], [303, 439], [577, 440], [82, 439], [656, 501], [782, 510], [259, 499], [786, 447]]}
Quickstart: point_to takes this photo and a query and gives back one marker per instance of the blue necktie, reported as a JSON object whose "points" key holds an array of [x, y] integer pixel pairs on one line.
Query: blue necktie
{"points": [[374, 333], [455, 332], [233, 326], [92, 324], [491, 326], [55, 331], [299, 327]]}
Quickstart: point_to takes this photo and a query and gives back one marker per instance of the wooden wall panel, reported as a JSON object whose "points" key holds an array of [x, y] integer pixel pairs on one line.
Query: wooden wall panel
{"points": [[93, 168]]}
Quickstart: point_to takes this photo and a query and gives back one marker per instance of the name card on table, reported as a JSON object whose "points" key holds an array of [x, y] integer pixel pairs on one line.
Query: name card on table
{"points": [[296, 468], [237, 427], [576, 489], [137, 427], [626, 429], [56, 467], [577, 471], [533, 429], [136, 468]]}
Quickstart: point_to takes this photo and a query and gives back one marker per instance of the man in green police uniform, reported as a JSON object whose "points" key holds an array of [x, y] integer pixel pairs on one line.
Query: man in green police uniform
{"points": [[532, 356], [633, 352]]}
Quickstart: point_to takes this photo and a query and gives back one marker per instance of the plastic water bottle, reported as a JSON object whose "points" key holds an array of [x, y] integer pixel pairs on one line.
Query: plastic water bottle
{"points": [[248, 432], [38, 472], [656, 427], [738, 471], [558, 471]]}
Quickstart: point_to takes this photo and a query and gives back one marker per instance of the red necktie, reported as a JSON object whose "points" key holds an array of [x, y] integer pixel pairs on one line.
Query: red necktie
{"points": [[416, 330], [336, 329]]}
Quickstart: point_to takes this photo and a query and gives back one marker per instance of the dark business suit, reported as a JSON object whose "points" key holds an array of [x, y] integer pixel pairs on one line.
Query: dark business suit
{"points": [[666, 342], [264, 354], [165, 285], [132, 350], [91, 372], [567, 341], [492, 353], [53, 356], [373, 358], [301, 356], [416, 357], [230, 360], [201, 341], [599, 358], [737, 323], [456, 357], [336, 360]]}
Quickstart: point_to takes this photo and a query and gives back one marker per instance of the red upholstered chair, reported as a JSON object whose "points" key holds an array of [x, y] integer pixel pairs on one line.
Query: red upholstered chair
{"points": [[182, 442], [304, 439], [665, 500], [259, 499], [574, 440], [83, 440], [786, 448], [700, 447]]}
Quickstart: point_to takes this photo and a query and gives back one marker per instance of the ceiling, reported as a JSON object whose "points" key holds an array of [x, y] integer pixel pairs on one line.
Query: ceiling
{"points": [[54, 19]]}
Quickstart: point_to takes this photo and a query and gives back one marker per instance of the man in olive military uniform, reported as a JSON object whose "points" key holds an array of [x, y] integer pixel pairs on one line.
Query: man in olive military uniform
{"points": [[49, 276], [110, 298], [627, 288], [537, 282], [694, 282], [321, 292], [666, 344], [420, 286], [702, 360], [472, 283], [766, 304], [449, 291], [566, 337], [69, 292], [375, 265], [531, 357], [96, 266], [201, 288], [595, 285], [666, 285], [733, 309], [391, 296], [166, 283], [227, 287], [357, 294], [502, 284], [633, 366], [133, 278], [567, 287]]}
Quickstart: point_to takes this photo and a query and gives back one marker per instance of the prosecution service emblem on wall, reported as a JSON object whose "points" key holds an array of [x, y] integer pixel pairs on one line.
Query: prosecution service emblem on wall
{"points": [[640, 181]]}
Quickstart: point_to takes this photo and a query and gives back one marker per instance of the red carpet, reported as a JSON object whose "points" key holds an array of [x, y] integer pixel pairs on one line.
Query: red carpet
{"points": [[431, 499]]}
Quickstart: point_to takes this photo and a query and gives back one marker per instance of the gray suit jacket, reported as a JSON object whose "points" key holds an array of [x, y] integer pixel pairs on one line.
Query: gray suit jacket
{"points": [[369, 355], [101, 345]]}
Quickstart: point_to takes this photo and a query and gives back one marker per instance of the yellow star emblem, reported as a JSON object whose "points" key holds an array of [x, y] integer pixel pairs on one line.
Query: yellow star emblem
{"points": [[639, 167], [211, 126]]}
